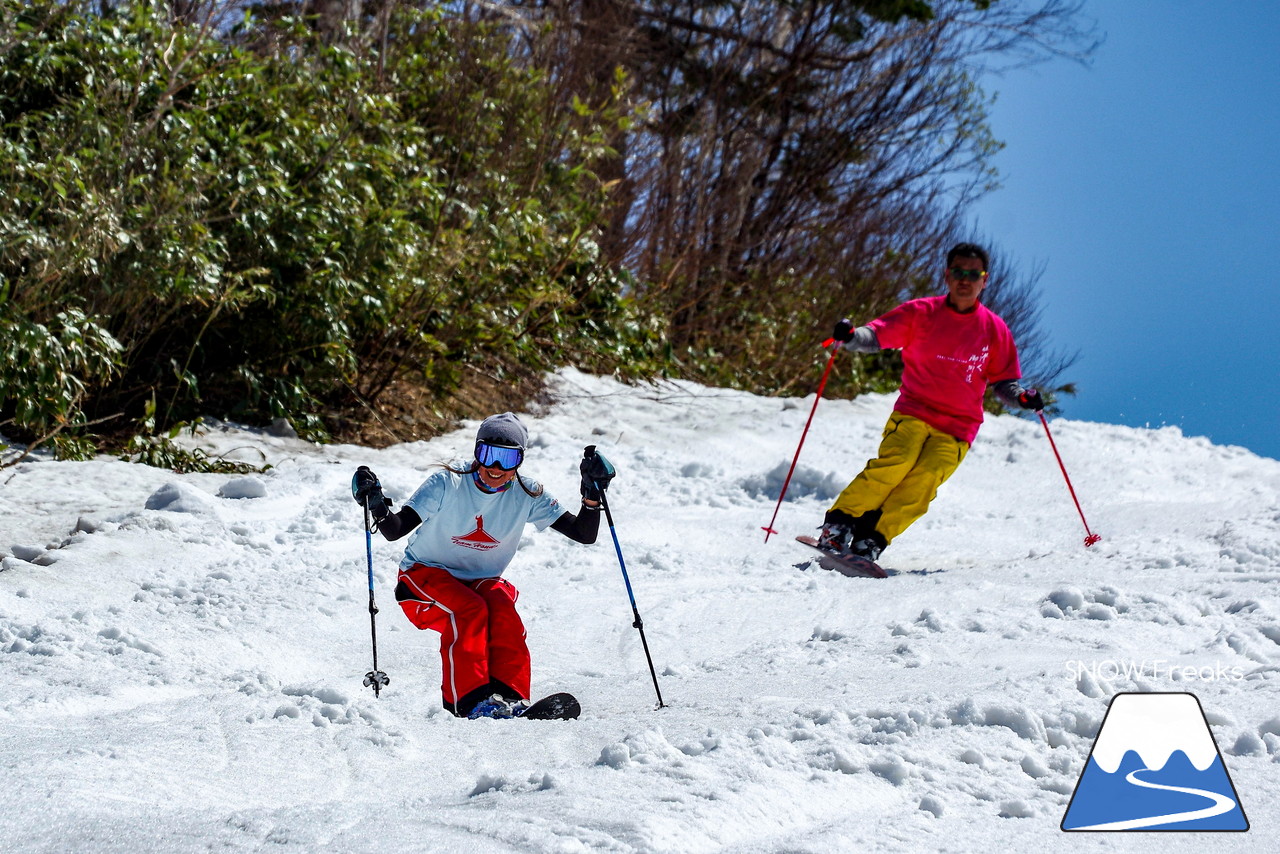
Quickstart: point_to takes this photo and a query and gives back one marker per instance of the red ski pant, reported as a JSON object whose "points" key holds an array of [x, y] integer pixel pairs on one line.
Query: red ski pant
{"points": [[482, 638]]}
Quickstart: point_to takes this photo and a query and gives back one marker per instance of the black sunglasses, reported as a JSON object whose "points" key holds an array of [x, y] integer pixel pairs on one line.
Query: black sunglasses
{"points": [[967, 275]]}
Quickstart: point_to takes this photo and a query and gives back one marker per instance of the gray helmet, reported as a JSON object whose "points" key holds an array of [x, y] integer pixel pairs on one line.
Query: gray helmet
{"points": [[503, 429]]}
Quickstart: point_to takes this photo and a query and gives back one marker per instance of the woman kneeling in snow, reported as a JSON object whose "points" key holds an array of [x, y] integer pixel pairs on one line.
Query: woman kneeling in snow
{"points": [[468, 522]]}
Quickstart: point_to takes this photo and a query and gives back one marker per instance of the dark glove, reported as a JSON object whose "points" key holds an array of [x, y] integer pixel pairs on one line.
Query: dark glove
{"points": [[596, 474], [1031, 399], [367, 492], [843, 331]]}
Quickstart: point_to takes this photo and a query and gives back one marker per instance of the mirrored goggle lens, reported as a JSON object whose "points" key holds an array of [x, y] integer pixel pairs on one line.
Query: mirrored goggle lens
{"points": [[496, 455], [967, 275]]}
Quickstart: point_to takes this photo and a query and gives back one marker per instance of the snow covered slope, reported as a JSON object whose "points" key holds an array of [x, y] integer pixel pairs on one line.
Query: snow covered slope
{"points": [[181, 656]]}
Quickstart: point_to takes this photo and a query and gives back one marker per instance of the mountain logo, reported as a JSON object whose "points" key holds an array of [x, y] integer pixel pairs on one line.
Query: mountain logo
{"points": [[478, 539], [1155, 766]]}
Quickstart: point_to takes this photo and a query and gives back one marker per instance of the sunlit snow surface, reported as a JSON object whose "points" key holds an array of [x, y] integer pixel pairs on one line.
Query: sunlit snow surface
{"points": [[181, 655]]}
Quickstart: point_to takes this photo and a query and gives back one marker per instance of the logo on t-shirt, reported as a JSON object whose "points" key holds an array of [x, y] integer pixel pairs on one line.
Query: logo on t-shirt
{"points": [[973, 365], [477, 539]]}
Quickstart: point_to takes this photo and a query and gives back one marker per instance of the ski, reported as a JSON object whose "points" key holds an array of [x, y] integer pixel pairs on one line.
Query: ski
{"points": [[850, 565], [554, 707]]}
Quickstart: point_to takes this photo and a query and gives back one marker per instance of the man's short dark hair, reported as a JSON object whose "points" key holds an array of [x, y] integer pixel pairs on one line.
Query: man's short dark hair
{"points": [[969, 250]]}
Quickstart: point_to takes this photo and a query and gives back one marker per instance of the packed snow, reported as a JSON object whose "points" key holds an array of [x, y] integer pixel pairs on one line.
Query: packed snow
{"points": [[181, 656]]}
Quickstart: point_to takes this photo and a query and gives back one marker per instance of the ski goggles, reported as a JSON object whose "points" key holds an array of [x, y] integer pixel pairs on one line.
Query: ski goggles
{"points": [[500, 456], [962, 275]]}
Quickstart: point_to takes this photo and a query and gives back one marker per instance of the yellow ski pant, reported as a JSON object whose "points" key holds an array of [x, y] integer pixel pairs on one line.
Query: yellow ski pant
{"points": [[913, 461]]}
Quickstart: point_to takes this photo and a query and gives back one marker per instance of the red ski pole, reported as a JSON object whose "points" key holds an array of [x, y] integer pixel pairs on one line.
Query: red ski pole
{"points": [[835, 351], [1090, 537]]}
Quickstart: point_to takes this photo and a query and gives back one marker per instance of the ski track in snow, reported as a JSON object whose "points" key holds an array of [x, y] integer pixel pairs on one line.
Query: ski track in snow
{"points": [[182, 655]]}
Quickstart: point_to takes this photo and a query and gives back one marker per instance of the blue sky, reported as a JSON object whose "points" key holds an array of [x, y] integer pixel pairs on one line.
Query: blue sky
{"points": [[1148, 184]]}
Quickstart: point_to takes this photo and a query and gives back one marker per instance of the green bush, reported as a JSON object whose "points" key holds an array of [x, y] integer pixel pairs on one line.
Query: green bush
{"points": [[261, 227]]}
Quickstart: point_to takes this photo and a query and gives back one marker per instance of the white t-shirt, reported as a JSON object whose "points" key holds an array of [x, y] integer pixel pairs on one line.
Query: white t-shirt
{"points": [[469, 532]]}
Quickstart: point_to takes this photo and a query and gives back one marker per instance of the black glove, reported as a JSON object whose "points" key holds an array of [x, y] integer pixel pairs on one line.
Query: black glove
{"points": [[843, 331], [1031, 399], [367, 492], [596, 474]]}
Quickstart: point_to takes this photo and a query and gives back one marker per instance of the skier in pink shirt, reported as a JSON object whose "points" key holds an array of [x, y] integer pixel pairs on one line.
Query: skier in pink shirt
{"points": [[953, 347]]}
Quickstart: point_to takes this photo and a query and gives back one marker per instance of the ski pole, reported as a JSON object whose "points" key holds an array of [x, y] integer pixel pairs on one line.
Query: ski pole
{"points": [[639, 624], [375, 678], [768, 529], [1090, 537]]}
